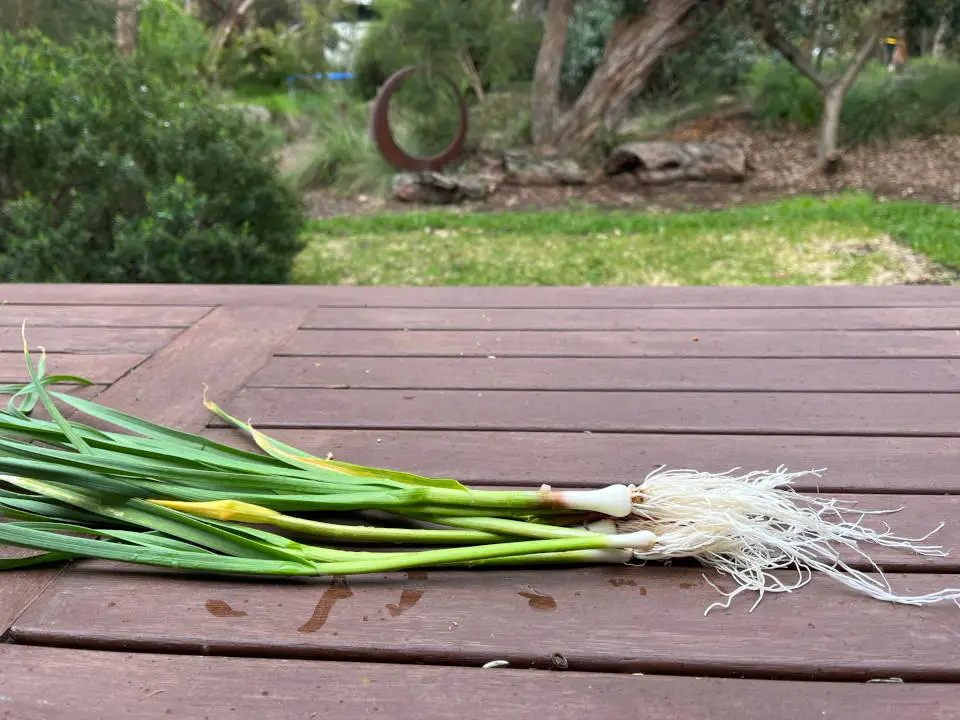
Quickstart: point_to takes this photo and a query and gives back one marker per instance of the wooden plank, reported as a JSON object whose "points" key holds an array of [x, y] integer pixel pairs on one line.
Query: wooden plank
{"points": [[639, 619], [592, 344], [222, 351], [493, 297], [156, 687], [106, 341], [103, 369], [20, 587], [774, 375], [853, 464], [658, 412], [100, 315], [619, 319]]}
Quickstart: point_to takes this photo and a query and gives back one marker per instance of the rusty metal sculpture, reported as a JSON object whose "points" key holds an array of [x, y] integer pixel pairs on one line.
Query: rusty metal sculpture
{"points": [[383, 136]]}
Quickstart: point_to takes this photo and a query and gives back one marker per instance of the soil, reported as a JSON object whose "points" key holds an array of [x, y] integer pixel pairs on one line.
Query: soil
{"points": [[781, 165]]}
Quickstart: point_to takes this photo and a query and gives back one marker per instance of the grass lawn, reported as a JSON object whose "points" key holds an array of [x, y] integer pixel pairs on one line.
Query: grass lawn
{"points": [[847, 239]]}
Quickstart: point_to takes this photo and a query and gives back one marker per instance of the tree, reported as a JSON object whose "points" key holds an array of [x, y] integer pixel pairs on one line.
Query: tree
{"points": [[883, 15], [127, 26], [228, 23], [546, 79], [638, 41]]}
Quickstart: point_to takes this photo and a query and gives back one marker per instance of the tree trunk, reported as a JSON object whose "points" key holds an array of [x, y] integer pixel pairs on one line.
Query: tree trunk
{"points": [[546, 81], [940, 36], [828, 154], [636, 45], [127, 26], [834, 91], [229, 23]]}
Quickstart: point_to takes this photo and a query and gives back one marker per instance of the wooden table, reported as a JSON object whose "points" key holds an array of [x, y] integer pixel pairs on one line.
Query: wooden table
{"points": [[505, 387]]}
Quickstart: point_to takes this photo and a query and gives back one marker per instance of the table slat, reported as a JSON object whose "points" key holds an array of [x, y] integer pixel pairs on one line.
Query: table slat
{"points": [[493, 297], [741, 320], [102, 369], [60, 316], [631, 344], [156, 687], [771, 375], [707, 412], [94, 340], [614, 618], [862, 464]]}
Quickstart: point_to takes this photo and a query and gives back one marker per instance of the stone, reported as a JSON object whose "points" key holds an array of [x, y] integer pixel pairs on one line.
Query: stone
{"points": [[522, 167], [434, 188], [662, 161]]}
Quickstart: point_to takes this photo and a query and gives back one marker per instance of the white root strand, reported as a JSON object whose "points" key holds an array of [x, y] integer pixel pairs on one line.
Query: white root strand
{"points": [[748, 526]]}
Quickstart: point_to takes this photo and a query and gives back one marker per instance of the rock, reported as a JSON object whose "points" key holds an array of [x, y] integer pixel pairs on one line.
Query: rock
{"points": [[661, 161], [254, 113], [437, 189], [521, 167]]}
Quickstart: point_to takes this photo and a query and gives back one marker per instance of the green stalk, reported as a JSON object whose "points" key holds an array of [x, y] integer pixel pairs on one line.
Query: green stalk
{"points": [[146, 514], [402, 561], [567, 557], [503, 526], [33, 539], [236, 511]]}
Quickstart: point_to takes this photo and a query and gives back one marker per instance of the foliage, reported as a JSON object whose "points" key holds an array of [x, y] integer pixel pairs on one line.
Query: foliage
{"points": [[265, 57], [796, 241], [109, 174], [60, 20], [172, 43], [881, 107], [339, 152]]}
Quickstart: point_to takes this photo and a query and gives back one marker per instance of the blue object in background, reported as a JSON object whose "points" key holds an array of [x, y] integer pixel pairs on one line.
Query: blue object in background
{"points": [[291, 79]]}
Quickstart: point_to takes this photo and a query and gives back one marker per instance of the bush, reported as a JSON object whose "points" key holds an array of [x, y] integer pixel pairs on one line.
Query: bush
{"points": [[171, 41], [107, 174], [880, 108]]}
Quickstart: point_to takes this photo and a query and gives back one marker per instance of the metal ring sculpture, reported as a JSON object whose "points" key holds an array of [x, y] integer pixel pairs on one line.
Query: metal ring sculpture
{"points": [[383, 136]]}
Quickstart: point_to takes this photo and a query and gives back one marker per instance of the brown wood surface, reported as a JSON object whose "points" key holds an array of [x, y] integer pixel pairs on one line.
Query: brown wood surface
{"points": [[613, 383], [768, 375], [93, 341], [656, 344], [741, 320], [61, 316], [19, 588], [157, 687], [705, 412], [103, 369], [471, 297], [636, 619], [852, 464], [222, 351]]}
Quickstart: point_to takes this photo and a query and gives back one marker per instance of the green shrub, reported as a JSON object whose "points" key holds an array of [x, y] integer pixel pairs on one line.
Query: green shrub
{"points": [[264, 57], [107, 174], [171, 41], [881, 107]]}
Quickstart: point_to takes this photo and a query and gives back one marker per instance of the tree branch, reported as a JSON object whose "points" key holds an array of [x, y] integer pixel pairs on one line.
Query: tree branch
{"points": [[776, 39], [878, 28]]}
